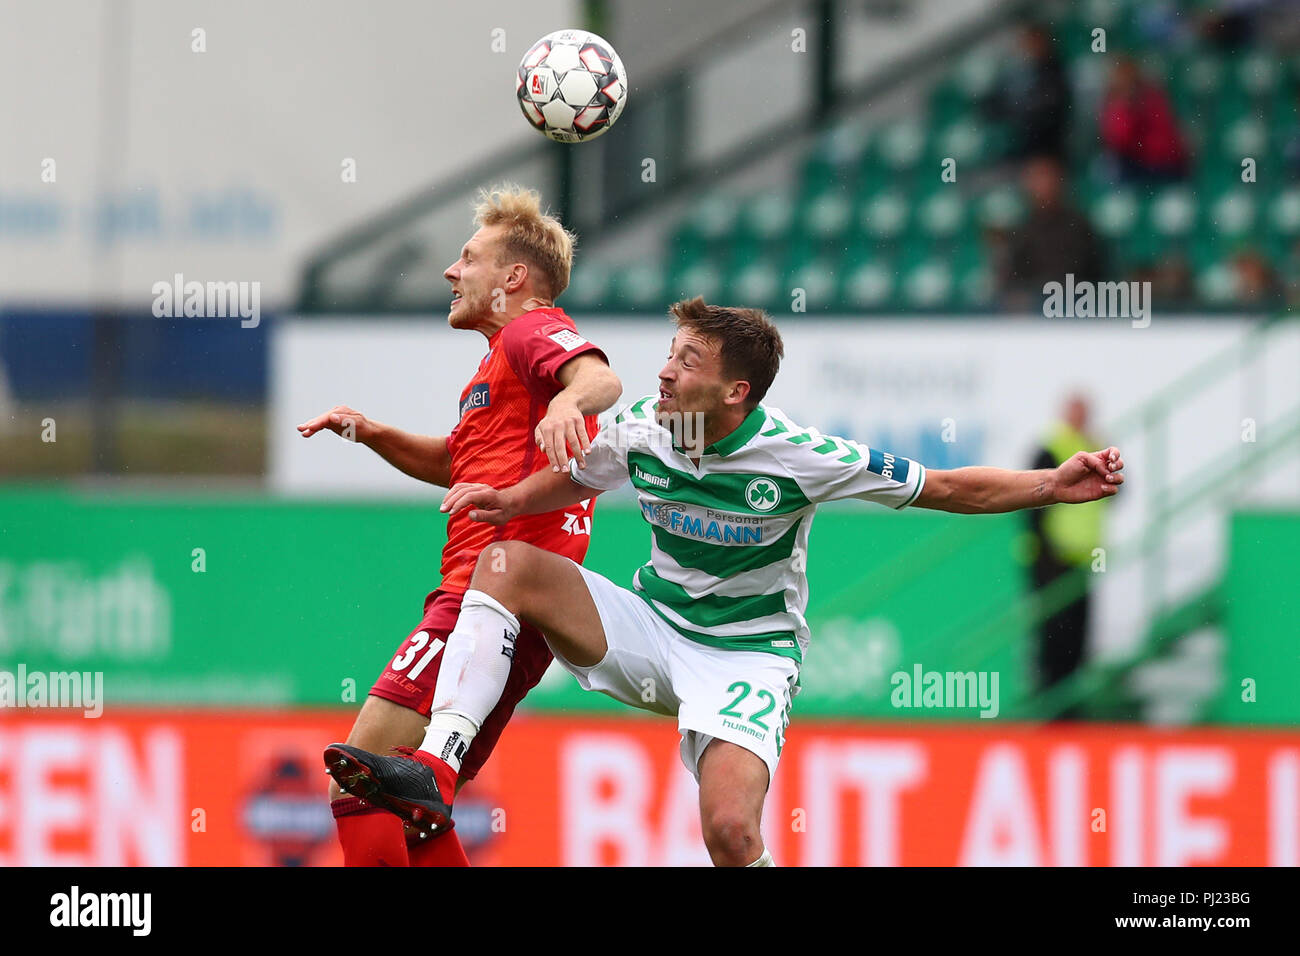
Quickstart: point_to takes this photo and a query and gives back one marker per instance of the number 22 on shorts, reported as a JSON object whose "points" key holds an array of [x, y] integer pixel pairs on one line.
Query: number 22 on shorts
{"points": [[742, 690]]}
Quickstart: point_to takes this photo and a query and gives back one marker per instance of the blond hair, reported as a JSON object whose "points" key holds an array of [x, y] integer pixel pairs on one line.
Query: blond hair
{"points": [[531, 236]]}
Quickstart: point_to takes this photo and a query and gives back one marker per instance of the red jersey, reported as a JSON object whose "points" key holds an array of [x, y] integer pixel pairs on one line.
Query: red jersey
{"points": [[493, 442]]}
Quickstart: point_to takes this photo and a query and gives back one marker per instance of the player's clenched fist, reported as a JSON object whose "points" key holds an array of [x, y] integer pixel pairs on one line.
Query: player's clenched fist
{"points": [[341, 420], [1087, 476]]}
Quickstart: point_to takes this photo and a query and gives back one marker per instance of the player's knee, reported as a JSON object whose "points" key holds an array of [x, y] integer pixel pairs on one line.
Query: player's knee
{"points": [[504, 565], [731, 836]]}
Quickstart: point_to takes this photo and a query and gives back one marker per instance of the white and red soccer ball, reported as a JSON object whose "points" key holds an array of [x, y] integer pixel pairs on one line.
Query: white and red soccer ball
{"points": [[571, 86]]}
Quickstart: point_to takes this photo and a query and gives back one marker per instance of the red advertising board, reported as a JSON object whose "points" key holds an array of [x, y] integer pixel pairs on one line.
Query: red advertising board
{"points": [[247, 788]]}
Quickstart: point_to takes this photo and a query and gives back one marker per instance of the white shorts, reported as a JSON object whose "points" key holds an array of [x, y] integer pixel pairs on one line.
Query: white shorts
{"points": [[742, 697]]}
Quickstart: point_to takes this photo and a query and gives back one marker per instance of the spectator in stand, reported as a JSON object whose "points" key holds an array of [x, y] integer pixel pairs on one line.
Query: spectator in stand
{"points": [[1241, 24], [1258, 286], [1172, 281], [1033, 97], [1139, 131], [1054, 238], [1063, 542]]}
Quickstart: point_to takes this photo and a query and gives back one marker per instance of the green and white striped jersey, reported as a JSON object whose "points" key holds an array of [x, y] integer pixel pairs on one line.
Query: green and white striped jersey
{"points": [[729, 547]]}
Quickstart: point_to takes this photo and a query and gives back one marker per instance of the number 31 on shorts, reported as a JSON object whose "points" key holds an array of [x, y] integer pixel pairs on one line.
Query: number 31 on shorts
{"points": [[418, 641]]}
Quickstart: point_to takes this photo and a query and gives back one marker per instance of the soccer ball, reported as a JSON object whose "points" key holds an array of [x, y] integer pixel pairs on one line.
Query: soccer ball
{"points": [[571, 86]]}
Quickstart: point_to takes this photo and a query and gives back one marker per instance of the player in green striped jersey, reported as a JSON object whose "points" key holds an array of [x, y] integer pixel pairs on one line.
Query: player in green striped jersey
{"points": [[712, 630]]}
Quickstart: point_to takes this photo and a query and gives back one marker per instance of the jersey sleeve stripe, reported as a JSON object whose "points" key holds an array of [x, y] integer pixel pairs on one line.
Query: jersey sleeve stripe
{"points": [[920, 483]]}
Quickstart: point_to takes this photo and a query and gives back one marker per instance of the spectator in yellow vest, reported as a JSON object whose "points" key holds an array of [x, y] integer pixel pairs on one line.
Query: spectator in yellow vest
{"points": [[1064, 540]]}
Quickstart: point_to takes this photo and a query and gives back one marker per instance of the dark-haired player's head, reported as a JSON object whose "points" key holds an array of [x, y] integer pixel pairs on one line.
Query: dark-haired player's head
{"points": [[721, 361], [519, 255]]}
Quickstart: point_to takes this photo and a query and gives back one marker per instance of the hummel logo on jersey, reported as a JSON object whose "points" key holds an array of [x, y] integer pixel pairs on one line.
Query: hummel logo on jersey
{"points": [[659, 481]]}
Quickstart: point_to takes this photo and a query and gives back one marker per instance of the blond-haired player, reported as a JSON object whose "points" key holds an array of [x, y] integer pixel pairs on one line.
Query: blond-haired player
{"points": [[530, 405]]}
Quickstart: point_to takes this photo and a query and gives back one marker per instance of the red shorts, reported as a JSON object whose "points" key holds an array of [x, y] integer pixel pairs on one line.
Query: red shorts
{"points": [[411, 675]]}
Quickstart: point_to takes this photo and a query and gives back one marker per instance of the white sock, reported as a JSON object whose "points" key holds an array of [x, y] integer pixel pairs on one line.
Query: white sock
{"points": [[475, 666], [764, 860]]}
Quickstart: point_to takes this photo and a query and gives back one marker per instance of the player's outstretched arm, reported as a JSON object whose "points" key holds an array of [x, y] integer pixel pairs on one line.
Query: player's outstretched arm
{"points": [[421, 456], [1086, 476], [540, 492], [590, 387]]}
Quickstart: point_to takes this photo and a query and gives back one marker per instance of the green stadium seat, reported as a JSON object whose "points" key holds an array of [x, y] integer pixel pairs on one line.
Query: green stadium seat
{"points": [[1217, 284], [929, 285], [1088, 75], [1073, 30], [1115, 214], [640, 286], [1246, 136], [976, 285], [885, 216], [833, 161], [817, 278], [1172, 214], [971, 81], [700, 278], [967, 139], [756, 284], [900, 147], [1232, 216], [869, 285], [713, 217], [1284, 212], [767, 218], [1000, 207], [1283, 222], [1258, 75], [1196, 83], [943, 215], [589, 286], [826, 216]]}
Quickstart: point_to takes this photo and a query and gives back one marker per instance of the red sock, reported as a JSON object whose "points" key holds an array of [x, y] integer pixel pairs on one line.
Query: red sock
{"points": [[443, 775], [370, 836], [442, 850]]}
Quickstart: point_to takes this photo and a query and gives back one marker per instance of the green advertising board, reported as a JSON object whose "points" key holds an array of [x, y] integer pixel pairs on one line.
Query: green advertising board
{"points": [[255, 601], [1261, 592]]}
